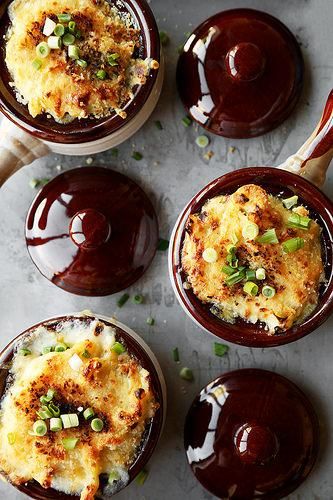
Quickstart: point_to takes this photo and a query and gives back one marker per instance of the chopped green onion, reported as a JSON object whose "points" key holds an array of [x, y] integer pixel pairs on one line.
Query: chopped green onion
{"points": [[290, 202], [137, 156], [11, 436], [101, 74], [70, 420], [210, 255], [269, 236], [268, 291], [72, 26], [237, 277], [37, 64], [54, 42], [54, 409], [46, 399], [112, 59], [251, 288], [49, 27], [69, 443], [24, 352], [47, 349], [232, 261], [231, 249], [164, 38], [64, 18], [88, 413], [73, 53], [39, 428], [250, 231], [138, 299], [43, 50], [60, 347], [113, 476], [69, 40], [162, 244], [186, 374], [97, 424], [118, 348], [82, 63], [186, 121], [55, 424], [141, 477], [293, 245], [114, 152], [175, 354], [123, 299], [202, 141], [44, 414], [150, 321], [228, 270], [234, 238], [220, 349], [260, 273], [250, 274], [158, 125], [59, 30], [78, 34], [35, 183], [298, 222], [85, 354]]}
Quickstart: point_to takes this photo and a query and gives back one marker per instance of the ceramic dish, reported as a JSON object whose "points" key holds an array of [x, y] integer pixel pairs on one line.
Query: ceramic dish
{"points": [[310, 163], [137, 348]]}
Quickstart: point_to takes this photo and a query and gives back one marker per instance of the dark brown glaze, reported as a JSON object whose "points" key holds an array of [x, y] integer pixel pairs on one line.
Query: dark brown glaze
{"points": [[92, 231], [276, 182], [241, 73], [153, 428], [251, 434], [84, 130]]}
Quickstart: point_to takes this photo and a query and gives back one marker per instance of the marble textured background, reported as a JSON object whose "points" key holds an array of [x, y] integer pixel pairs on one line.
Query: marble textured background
{"points": [[171, 172]]}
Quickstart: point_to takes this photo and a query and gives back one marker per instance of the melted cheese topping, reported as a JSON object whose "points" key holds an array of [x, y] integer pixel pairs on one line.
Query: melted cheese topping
{"points": [[61, 88], [115, 386], [295, 276]]}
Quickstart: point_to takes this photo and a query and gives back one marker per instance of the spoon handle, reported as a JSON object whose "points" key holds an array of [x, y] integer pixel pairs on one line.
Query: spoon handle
{"points": [[17, 148], [313, 158]]}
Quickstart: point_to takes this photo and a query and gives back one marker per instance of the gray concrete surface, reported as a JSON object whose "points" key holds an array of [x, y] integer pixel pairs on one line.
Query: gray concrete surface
{"points": [[171, 172]]}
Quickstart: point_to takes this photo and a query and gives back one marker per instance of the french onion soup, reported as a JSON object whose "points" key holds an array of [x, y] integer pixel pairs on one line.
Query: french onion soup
{"points": [[254, 256], [76, 407], [74, 58]]}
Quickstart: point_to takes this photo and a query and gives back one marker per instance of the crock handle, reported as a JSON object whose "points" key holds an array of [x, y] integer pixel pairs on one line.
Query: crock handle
{"points": [[313, 158], [17, 148]]}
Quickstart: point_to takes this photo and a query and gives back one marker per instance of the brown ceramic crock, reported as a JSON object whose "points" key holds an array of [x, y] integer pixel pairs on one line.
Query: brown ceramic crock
{"points": [[299, 175]]}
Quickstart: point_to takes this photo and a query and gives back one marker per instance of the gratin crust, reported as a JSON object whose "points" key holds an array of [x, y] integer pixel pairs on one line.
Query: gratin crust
{"points": [[295, 276]]}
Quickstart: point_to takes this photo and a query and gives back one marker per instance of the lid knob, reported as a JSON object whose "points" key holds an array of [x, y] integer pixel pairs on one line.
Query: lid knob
{"points": [[256, 444], [89, 229], [245, 62]]}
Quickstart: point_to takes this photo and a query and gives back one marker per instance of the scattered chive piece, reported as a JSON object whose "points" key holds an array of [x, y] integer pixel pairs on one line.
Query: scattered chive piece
{"points": [[250, 288], [114, 152], [250, 231], [54, 409], [97, 424], [231, 249], [250, 274], [70, 420], [293, 245], [55, 424], [118, 348], [137, 156], [85, 354], [46, 399], [73, 53], [59, 30], [237, 277], [158, 125], [220, 349], [72, 26], [88, 413], [11, 438], [137, 299], [298, 221], [37, 64], [40, 428], [64, 18], [186, 121], [175, 354], [123, 299], [164, 38], [141, 477], [260, 273], [113, 476], [150, 321], [269, 236], [290, 202], [35, 183], [68, 40], [101, 74], [54, 42], [78, 34], [24, 352], [186, 374], [210, 255], [43, 50], [112, 59], [228, 270], [44, 413], [162, 244], [268, 291], [232, 261], [48, 27], [82, 63], [60, 347], [69, 443], [202, 141], [47, 349]]}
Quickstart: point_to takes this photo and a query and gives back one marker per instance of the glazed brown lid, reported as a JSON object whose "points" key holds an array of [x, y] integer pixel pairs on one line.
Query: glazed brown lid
{"points": [[251, 434], [241, 73], [92, 231]]}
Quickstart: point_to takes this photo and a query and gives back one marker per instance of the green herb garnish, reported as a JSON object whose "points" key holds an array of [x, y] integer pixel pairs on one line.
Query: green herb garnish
{"points": [[186, 374], [162, 244], [141, 477], [123, 299], [150, 321], [293, 245], [97, 424], [269, 237], [137, 156], [175, 354], [186, 121], [118, 348], [220, 349]]}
